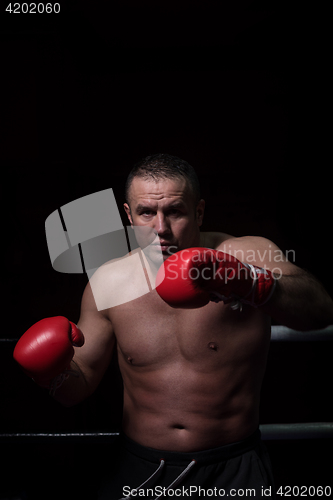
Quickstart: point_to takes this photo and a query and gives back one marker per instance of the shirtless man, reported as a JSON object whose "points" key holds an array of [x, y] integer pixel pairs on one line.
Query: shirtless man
{"points": [[192, 377]]}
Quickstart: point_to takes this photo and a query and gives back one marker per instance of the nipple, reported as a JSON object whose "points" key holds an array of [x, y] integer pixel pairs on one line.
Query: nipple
{"points": [[213, 346], [130, 360]]}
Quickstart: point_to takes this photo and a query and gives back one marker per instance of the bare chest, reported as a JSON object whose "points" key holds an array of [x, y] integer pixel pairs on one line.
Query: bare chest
{"points": [[150, 333]]}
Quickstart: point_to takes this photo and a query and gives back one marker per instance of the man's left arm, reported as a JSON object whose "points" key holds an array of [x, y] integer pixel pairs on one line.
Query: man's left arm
{"points": [[299, 300]]}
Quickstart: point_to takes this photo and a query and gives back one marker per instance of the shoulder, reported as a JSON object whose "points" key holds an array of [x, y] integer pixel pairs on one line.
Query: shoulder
{"points": [[213, 239], [115, 269], [251, 243], [97, 286], [258, 251], [223, 241], [119, 281]]}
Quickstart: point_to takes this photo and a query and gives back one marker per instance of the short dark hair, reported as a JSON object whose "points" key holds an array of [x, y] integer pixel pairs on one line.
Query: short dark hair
{"points": [[164, 166]]}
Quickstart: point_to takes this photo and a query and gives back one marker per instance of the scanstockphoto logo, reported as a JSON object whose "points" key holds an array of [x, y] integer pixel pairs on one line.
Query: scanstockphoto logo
{"points": [[87, 236], [251, 256], [225, 266], [196, 492]]}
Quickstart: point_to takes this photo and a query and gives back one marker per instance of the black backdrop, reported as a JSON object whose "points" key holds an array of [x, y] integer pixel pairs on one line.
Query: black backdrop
{"points": [[241, 93]]}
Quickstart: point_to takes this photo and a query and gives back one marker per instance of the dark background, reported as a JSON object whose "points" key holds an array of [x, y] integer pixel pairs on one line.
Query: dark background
{"points": [[238, 91]]}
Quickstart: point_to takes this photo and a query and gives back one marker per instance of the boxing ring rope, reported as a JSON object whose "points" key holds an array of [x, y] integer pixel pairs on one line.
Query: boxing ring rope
{"points": [[311, 430], [284, 334], [315, 430]]}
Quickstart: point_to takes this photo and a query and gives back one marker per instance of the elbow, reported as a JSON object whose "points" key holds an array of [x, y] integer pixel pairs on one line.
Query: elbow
{"points": [[307, 324], [312, 326], [316, 317], [325, 316], [65, 402], [69, 400]]}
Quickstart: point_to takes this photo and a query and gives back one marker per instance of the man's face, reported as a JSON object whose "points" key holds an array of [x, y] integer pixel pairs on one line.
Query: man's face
{"points": [[164, 214]]}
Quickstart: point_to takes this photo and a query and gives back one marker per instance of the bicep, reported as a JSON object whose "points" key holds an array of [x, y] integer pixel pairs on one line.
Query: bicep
{"points": [[270, 256], [264, 253], [95, 355]]}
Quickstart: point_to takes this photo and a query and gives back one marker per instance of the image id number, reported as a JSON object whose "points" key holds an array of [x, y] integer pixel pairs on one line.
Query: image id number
{"points": [[304, 491], [33, 8]]}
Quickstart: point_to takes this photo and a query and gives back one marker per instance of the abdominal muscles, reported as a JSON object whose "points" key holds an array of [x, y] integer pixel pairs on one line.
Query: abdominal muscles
{"points": [[186, 407]]}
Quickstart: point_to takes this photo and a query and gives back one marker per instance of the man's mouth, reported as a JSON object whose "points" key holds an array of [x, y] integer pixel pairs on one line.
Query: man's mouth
{"points": [[166, 246]]}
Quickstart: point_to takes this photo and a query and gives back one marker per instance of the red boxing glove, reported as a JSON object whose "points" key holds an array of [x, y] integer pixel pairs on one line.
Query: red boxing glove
{"points": [[46, 349], [194, 276]]}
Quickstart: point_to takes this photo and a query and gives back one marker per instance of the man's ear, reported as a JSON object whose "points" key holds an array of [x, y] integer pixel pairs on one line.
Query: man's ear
{"points": [[128, 212], [200, 210]]}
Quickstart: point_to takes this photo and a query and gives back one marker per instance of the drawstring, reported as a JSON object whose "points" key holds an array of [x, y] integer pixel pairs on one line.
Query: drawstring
{"points": [[174, 483], [179, 478], [160, 467]]}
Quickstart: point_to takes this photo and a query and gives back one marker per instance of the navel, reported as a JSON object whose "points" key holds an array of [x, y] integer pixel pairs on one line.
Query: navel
{"points": [[213, 346]]}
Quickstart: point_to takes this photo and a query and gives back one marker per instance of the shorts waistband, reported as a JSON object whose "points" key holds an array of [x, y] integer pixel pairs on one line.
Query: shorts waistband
{"points": [[212, 455]]}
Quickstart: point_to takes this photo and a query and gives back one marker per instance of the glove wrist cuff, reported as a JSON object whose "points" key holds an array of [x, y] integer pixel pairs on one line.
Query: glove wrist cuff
{"points": [[262, 289], [263, 286]]}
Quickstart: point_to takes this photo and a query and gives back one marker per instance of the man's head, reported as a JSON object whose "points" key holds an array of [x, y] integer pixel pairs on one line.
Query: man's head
{"points": [[163, 166], [163, 194]]}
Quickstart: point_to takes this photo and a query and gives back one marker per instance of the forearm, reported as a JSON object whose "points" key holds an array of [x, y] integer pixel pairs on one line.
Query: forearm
{"points": [[73, 390], [300, 302]]}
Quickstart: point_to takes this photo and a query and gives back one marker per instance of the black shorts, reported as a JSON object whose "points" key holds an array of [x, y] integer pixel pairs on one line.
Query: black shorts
{"points": [[236, 470]]}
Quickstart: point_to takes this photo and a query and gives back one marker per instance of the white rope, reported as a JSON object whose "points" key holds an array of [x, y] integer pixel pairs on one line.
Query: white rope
{"points": [[310, 430], [284, 334]]}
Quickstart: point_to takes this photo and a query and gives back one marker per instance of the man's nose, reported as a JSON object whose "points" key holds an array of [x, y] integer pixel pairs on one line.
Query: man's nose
{"points": [[161, 224]]}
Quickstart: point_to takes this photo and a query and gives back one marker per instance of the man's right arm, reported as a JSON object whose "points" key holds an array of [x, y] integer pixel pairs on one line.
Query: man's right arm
{"points": [[90, 361]]}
